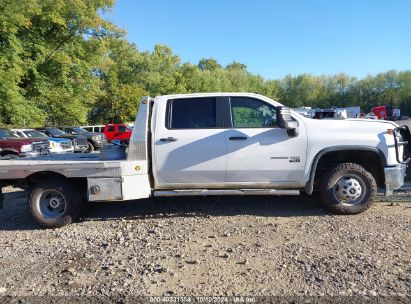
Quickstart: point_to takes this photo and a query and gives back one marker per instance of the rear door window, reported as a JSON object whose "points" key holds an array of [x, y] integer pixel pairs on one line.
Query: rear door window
{"points": [[191, 113]]}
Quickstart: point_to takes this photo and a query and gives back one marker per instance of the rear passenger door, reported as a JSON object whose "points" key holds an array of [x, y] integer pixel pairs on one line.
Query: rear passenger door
{"points": [[190, 148]]}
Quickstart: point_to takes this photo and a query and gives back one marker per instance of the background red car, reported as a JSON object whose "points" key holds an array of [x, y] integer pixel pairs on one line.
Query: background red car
{"points": [[120, 132]]}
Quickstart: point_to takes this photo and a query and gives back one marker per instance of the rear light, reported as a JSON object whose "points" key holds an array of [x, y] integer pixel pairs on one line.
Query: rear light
{"points": [[390, 131]]}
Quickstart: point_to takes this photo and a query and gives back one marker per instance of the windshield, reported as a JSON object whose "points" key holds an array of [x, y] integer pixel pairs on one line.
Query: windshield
{"points": [[7, 133], [34, 133], [55, 132], [79, 130]]}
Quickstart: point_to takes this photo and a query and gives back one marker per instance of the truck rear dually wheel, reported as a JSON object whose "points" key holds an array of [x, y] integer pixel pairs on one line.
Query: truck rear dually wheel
{"points": [[54, 204], [348, 189]]}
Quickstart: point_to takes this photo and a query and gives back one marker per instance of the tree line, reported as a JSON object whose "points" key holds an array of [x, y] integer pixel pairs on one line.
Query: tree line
{"points": [[61, 63]]}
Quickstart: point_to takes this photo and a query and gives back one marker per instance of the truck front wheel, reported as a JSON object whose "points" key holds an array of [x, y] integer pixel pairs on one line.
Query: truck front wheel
{"points": [[54, 204], [348, 189]]}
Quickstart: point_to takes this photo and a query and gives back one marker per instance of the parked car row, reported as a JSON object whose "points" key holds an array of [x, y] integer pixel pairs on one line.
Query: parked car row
{"points": [[57, 145], [79, 142], [18, 143], [13, 146], [94, 140]]}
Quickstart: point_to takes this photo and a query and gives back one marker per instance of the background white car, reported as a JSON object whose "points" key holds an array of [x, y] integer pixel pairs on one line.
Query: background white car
{"points": [[57, 145]]}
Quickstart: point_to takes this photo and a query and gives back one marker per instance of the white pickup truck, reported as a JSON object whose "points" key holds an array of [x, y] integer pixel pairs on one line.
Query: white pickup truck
{"points": [[221, 144]]}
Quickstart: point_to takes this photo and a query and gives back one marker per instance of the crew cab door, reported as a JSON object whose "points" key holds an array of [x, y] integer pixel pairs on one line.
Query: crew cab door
{"points": [[260, 153], [189, 144]]}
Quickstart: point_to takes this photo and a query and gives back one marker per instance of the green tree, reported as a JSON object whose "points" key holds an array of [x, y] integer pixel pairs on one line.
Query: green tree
{"points": [[49, 49], [209, 64]]}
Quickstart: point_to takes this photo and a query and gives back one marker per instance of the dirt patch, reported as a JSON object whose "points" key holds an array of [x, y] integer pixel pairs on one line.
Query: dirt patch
{"points": [[278, 246]]}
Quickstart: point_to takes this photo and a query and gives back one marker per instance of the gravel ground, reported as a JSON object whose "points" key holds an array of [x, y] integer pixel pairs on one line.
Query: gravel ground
{"points": [[278, 246], [404, 122]]}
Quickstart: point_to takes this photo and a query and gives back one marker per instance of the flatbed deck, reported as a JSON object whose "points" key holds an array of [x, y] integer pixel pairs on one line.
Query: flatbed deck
{"points": [[69, 165]]}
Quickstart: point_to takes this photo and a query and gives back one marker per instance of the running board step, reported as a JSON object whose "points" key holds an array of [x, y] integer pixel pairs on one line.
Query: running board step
{"points": [[194, 192]]}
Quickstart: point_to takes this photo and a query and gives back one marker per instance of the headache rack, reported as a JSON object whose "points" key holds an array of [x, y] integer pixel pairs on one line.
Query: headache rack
{"points": [[404, 132]]}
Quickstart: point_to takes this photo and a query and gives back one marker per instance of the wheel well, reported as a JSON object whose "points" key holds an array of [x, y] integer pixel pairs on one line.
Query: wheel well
{"points": [[5, 152], [38, 177], [44, 175], [370, 160]]}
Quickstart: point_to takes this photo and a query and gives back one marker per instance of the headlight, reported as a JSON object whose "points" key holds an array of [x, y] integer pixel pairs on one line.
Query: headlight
{"points": [[96, 137], [26, 148], [53, 145]]}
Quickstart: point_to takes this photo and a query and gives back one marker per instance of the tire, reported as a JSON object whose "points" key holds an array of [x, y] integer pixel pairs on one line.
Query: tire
{"points": [[54, 203], [348, 189], [90, 147], [10, 156]]}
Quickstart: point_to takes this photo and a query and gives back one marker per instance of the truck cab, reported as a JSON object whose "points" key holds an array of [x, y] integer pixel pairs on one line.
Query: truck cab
{"points": [[95, 140], [120, 132], [387, 112]]}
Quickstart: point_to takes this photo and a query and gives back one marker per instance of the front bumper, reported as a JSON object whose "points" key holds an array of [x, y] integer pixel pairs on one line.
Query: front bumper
{"points": [[30, 154], [61, 151], [99, 143], [394, 178]]}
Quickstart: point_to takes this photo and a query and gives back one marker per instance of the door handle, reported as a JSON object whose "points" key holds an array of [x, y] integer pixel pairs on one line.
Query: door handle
{"points": [[237, 138], [168, 139]]}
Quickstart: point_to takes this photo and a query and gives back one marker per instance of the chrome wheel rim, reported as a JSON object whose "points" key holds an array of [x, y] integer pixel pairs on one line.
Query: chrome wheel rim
{"points": [[52, 204], [349, 189]]}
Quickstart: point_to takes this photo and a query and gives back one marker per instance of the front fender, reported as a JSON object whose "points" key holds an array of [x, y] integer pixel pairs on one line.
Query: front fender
{"points": [[309, 187]]}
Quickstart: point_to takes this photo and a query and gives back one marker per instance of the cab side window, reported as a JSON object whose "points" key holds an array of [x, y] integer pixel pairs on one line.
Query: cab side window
{"points": [[252, 113], [110, 129], [191, 113]]}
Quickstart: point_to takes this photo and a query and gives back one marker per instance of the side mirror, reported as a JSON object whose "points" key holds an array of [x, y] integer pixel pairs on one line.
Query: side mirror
{"points": [[285, 121]]}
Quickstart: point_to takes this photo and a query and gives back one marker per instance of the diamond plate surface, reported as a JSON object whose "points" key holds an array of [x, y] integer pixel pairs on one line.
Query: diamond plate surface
{"points": [[110, 189], [137, 149]]}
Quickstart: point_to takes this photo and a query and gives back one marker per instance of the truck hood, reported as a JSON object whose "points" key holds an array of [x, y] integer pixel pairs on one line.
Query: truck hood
{"points": [[372, 121], [89, 134], [59, 139], [23, 141], [69, 136], [354, 123]]}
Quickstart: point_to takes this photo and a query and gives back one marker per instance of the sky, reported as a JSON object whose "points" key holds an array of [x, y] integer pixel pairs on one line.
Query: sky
{"points": [[275, 38]]}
